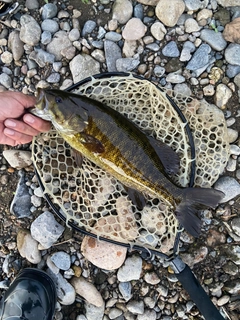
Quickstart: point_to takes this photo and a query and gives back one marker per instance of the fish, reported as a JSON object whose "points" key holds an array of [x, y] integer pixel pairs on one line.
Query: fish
{"points": [[114, 143]]}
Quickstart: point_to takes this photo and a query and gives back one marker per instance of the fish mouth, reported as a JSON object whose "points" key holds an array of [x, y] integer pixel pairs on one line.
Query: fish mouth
{"points": [[41, 106]]}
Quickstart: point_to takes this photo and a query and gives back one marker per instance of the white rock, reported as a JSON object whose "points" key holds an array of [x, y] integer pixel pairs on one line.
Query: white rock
{"points": [[122, 11], [102, 254], [28, 247], [18, 158], [6, 57], [223, 94], [88, 291], [232, 135], [61, 259], [158, 30], [83, 66], [191, 25], [229, 186], [134, 30], [131, 270], [169, 11], [30, 31]]}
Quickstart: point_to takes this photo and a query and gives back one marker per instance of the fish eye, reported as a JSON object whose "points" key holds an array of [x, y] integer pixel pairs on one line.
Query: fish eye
{"points": [[58, 100]]}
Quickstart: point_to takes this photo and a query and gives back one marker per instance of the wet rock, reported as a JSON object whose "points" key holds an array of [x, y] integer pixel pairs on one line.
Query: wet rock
{"points": [[28, 247], [169, 11], [134, 30], [229, 186], [122, 11], [214, 39], [16, 45], [30, 31], [231, 32], [88, 291], [46, 230], [83, 66]]}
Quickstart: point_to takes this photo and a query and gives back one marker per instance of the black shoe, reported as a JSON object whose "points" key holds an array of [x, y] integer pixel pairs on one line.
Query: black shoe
{"points": [[7, 8], [31, 296]]}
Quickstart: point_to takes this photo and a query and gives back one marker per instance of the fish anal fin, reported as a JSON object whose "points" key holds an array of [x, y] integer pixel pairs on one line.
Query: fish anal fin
{"points": [[92, 143], [136, 197], [167, 155], [77, 157]]}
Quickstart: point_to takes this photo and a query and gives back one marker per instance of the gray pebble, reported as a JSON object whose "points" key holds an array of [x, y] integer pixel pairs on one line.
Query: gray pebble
{"points": [[88, 27], [214, 39], [131, 270], [200, 58], [136, 307], [153, 47], [61, 259], [125, 289], [113, 36], [126, 64], [138, 11], [42, 57], [159, 71], [229, 186], [30, 31], [5, 80], [232, 71], [50, 25], [232, 54], [36, 201], [46, 37], [171, 50], [112, 53], [54, 77], [74, 35], [49, 11]]}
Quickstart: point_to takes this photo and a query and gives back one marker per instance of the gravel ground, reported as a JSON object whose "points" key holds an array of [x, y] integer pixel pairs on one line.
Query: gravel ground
{"points": [[194, 50]]}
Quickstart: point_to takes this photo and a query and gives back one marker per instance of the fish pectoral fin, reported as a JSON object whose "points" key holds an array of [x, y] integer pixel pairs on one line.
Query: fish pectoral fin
{"points": [[77, 157], [136, 197], [92, 143], [167, 155]]}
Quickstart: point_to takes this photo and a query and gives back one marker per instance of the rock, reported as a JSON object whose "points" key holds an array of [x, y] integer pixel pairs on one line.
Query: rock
{"points": [[74, 34], [15, 45], [49, 11], [232, 286], [93, 312], [223, 94], [5, 80], [159, 71], [232, 71], [6, 57], [232, 54], [135, 307], [125, 289], [83, 66], [46, 38], [46, 230], [131, 270], [182, 88], [235, 223], [103, 254], [171, 50], [231, 31], [127, 64], [112, 53], [232, 135], [18, 158], [169, 11], [98, 55], [134, 30], [30, 31], [197, 256], [59, 42], [28, 247], [129, 48], [32, 4], [65, 292], [69, 52], [21, 203], [88, 291], [138, 11], [158, 30], [200, 57], [228, 3], [42, 57], [53, 77], [149, 2], [122, 11], [229, 186], [191, 25], [204, 14], [113, 36], [214, 39], [175, 78], [88, 27], [148, 315], [61, 259], [193, 5], [151, 278], [50, 25]]}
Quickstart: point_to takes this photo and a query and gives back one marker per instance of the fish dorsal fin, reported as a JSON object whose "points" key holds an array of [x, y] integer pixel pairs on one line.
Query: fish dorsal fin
{"points": [[92, 143], [167, 155]]}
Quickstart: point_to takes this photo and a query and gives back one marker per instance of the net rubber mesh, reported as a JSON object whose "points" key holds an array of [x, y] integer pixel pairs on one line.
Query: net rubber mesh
{"points": [[95, 201]]}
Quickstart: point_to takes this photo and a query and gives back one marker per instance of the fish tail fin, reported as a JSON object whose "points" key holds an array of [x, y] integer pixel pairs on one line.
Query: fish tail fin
{"points": [[193, 200]]}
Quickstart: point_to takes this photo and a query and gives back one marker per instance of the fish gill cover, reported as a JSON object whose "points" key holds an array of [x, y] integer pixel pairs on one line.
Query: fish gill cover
{"points": [[97, 202]]}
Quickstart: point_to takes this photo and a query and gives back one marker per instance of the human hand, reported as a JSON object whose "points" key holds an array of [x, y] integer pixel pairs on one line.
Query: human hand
{"points": [[17, 126]]}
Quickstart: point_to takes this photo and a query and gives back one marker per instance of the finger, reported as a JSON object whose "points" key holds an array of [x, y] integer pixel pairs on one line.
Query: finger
{"points": [[16, 137], [37, 123], [21, 127]]}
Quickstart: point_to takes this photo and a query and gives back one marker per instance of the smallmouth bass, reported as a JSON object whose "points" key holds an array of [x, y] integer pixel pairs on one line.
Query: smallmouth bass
{"points": [[117, 145]]}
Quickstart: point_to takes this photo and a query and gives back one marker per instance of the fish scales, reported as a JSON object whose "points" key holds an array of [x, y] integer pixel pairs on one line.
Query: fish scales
{"points": [[117, 145]]}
